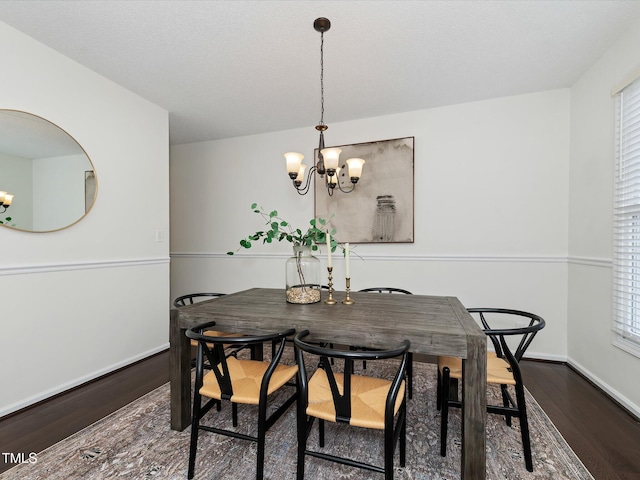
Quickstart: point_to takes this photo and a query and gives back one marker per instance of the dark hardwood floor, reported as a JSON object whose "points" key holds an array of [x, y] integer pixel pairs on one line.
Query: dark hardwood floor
{"points": [[35, 428], [604, 436]]}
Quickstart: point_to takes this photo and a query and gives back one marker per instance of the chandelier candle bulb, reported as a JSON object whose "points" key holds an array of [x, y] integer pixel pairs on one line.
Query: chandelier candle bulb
{"points": [[355, 167], [331, 158], [294, 160], [300, 176]]}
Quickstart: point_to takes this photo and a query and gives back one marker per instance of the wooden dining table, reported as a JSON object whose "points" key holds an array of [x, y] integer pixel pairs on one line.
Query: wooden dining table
{"points": [[435, 325]]}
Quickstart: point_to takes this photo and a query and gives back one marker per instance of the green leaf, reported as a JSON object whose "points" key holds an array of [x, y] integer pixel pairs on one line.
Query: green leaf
{"points": [[274, 226], [283, 223], [274, 213], [322, 221], [229, 253], [254, 206]]}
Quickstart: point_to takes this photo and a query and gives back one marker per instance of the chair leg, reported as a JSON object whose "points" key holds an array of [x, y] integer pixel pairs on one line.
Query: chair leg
{"points": [[410, 374], [303, 427], [262, 433], [444, 415], [505, 403], [321, 432], [234, 414], [195, 421], [439, 391], [403, 438], [388, 452], [524, 427]]}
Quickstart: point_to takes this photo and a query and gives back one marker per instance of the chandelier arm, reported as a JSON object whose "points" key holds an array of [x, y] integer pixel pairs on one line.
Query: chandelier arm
{"points": [[353, 186], [5, 208], [307, 185]]}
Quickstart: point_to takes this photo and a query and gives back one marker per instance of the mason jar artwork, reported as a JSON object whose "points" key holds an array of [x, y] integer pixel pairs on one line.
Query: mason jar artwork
{"points": [[384, 226]]}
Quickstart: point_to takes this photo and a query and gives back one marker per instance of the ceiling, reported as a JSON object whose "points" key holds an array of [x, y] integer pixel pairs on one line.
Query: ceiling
{"points": [[231, 68]]}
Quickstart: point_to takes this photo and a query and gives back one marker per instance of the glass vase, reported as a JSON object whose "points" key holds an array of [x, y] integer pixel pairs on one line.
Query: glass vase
{"points": [[303, 276]]}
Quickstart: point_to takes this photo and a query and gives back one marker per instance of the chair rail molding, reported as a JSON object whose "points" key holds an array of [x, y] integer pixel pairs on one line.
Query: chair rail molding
{"points": [[83, 265], [591, 261], [395, 258]]}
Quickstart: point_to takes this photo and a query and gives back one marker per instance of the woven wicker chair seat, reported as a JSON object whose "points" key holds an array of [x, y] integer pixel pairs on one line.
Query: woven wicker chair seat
{"points": [[246, 377], [498, 369], [368, 397]]}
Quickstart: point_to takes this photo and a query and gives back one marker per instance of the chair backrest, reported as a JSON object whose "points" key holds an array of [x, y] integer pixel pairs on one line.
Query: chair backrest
{"points": [[191, 298], [213, 348], [342, 402], [531, 325], [386, 290]]}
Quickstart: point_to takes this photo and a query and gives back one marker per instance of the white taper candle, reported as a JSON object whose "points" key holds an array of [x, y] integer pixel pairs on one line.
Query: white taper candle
{"points": [[346, 259]]}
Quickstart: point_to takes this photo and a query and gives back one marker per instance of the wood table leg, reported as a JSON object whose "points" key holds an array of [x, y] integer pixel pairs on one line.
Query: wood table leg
{"points": [[179, 374], [474, 410]]}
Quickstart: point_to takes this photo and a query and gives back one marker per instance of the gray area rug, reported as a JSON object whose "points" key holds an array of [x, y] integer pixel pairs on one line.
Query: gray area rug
{"points": [[136, 443]]}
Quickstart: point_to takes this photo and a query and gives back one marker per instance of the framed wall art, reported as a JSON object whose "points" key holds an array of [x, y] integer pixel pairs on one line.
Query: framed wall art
{"points": [[381, 207]]}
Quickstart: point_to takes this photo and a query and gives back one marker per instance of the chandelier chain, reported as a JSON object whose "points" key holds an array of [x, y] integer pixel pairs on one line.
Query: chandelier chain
{"points": [[322, 78]]}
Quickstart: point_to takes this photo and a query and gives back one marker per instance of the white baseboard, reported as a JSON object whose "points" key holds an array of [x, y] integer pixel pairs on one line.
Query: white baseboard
{"points": [[78, 381], [608, 389], [545, 356]]}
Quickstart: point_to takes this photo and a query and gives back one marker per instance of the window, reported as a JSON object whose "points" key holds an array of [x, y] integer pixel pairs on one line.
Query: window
{"points": [[626, 221]]}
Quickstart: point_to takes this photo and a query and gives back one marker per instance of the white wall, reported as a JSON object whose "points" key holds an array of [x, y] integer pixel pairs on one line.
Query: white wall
{"points": [[85, 300], [491, 207], [590, 224]]}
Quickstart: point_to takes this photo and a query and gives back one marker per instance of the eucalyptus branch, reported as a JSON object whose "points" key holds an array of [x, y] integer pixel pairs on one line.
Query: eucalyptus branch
{"points": [[280, 230]]}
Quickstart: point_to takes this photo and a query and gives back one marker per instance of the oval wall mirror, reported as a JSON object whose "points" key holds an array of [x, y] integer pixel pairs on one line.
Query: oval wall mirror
{"points": [[45, 175]]}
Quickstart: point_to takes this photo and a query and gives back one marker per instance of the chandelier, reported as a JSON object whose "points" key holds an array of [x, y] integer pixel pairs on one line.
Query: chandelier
{"points": [[328, 158], [5, 201]]}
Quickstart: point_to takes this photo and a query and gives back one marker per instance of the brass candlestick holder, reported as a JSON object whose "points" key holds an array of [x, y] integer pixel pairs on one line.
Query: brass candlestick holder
{"points": [[348, 300], [330, 300]]}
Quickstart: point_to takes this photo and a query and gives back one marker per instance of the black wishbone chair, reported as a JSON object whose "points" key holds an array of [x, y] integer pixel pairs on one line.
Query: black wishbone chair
{"points": [[344, 397], [237, 381], [410, 364], [190, 299], [502, 369]]}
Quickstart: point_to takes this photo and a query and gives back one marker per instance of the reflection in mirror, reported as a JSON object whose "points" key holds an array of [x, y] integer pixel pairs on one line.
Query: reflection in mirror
{"points": [[49, 174]]}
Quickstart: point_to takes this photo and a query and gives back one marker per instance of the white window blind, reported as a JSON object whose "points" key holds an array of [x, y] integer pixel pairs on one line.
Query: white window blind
{"points": [[626, 277]]}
